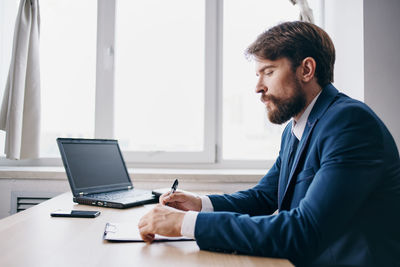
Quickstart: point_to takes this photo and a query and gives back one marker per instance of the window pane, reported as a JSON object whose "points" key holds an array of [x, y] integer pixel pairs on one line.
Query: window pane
{"points": [[247, 133], [159, 75], [68, 67]]}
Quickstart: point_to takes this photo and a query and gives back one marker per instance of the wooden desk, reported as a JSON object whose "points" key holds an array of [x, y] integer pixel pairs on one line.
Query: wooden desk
{"points": [[33, 238]]}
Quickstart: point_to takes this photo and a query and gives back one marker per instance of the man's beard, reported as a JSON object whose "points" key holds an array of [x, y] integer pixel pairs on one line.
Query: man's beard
{"points": [[286, 108]]}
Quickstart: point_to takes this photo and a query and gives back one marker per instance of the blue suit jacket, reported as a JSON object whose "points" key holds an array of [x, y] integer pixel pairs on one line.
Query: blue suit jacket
{"points": [[340, 205]]}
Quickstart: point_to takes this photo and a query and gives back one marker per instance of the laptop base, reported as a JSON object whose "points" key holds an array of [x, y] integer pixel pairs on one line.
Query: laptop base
{"points": [[110, 204]]}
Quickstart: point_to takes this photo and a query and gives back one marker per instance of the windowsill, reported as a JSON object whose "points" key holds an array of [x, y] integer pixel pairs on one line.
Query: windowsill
{"points": [[144, 174]]}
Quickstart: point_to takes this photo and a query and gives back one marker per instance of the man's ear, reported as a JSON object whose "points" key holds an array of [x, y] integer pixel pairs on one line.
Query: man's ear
{"points": [[308, 66]]}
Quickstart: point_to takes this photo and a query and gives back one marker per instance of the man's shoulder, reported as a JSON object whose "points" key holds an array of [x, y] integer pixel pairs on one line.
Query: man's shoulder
{"points": [[343, 100], [347, 108], [351, 118]]}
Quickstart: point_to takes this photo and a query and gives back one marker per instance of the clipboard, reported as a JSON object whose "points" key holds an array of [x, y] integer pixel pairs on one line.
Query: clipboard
{"points": [[129, 232]]}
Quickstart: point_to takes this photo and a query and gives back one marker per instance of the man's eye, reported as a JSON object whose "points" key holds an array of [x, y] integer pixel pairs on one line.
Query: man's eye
{"points": [[269, 73]]}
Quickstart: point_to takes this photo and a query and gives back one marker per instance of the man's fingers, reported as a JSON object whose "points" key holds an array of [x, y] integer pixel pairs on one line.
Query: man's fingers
{"points": [[162, 198], [148, 238], [145, 232], [166, 197], [175, 197]]}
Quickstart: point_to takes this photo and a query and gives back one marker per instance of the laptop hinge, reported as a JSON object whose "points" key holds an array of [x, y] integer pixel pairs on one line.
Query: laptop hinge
{"points": [[129, 187]]}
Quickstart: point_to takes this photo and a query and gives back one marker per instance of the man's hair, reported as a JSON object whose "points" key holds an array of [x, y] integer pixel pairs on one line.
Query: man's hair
{"points": [[296, 41]]}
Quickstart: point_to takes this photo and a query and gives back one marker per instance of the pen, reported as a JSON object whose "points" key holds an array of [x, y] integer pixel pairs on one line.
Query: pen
{"points": [[173, 187]]}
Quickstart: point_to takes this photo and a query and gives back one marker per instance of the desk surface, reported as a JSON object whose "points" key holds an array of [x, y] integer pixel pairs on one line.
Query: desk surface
{"points": [[33, 238]]}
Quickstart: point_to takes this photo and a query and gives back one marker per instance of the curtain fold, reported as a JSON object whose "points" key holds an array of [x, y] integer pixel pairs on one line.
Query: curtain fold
{"points": [[20, 110], [306, 13]]}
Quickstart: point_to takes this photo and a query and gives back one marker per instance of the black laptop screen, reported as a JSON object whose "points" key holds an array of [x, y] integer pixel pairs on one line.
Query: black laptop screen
{"points": [[95, 164]]}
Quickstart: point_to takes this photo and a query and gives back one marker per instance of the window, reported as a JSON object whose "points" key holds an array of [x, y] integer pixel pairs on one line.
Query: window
{"points": [[159, 75], [68, 67], [168, 79], [247, 133]]}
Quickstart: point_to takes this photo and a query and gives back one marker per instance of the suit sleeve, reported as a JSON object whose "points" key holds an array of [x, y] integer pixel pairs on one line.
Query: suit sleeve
{"points": [[261, 199], [350, 154]]}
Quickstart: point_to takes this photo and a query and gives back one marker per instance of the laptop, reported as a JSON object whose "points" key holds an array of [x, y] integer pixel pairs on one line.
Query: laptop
{"points": [[97, 174]]}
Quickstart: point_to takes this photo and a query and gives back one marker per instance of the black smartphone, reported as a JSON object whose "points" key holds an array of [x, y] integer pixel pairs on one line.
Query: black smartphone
{"points": [[75, 213]]}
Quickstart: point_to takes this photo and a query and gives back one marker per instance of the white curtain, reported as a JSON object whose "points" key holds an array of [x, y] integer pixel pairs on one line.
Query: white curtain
{"points": [[306, 13], [20, 110]]}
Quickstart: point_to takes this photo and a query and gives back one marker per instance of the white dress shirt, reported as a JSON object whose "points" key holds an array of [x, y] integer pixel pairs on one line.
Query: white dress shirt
{"points": [[189, 220], [299, 126]]}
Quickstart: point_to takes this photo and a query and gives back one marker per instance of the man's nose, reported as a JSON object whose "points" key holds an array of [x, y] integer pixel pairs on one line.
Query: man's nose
{"points": [[261, 87]]}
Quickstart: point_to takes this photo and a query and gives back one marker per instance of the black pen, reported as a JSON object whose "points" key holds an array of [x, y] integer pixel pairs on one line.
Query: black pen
{"points": [[173, 187]]}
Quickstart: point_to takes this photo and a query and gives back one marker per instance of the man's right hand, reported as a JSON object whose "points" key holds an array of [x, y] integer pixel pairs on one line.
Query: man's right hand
{"points": [[181, 200]]}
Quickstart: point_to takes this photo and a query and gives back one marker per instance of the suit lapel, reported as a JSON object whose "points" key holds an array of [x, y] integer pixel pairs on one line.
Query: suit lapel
{"points": [[284, 170], [326, 98], [299, 154]]}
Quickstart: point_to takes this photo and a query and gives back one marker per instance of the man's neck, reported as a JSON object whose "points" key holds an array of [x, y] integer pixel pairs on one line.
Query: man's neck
{"points": [[311, 92]]}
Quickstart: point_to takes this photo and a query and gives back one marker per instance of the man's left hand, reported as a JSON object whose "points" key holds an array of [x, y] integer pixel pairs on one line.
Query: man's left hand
{"points": [[162, 220]]}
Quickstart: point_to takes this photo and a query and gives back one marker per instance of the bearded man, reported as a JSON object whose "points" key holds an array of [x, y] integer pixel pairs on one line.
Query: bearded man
{"points": [[335, 182]]}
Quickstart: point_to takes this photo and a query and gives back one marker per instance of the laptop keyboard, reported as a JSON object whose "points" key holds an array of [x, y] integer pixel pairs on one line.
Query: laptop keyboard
{"points": [[125, 194]]}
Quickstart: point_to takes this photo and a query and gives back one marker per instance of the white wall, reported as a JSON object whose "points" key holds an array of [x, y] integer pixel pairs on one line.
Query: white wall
{"points": [[366, 35], [382, 61], [9, 185], [344, 24]]}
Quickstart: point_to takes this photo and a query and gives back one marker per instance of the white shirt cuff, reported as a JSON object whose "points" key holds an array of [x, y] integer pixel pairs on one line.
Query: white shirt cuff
{"points": [[206, 205], [189, 220], [189, 224]]}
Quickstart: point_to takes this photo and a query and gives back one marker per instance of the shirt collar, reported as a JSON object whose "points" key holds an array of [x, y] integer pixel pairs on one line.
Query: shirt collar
{"points": [[299, 126]]}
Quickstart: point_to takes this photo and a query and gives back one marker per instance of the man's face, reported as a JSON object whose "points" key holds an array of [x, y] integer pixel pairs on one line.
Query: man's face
{"points": [[281, 91]]}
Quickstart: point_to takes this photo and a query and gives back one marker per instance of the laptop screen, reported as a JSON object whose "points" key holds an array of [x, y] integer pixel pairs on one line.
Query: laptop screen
{"points": [[93, 165]]}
